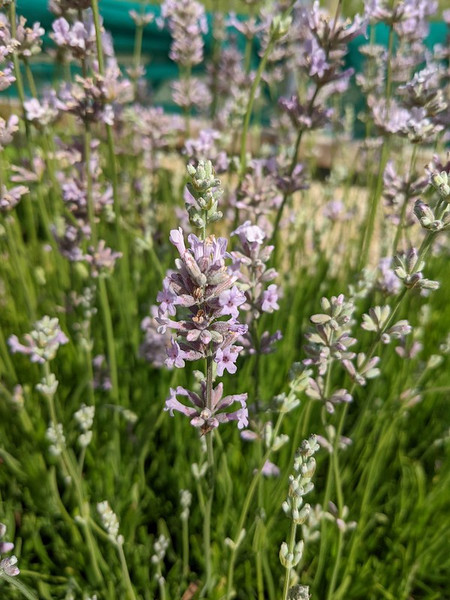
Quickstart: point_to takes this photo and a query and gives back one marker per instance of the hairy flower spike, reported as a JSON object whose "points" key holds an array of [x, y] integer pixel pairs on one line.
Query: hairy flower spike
{"points": [[41, 344], [206, 192], [110, 521]]}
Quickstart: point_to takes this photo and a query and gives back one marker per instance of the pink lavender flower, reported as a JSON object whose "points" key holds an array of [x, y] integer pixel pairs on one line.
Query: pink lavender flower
{"points": [[29, 39], [101, 259], [154, 346], [206, 418], [191, 92], [8, 565], [78, 39], [230, 300], [205, 147], [87, 99], [226, 359], [41, 344], [43, 112], [270, 299], [6, 77], [102, 379], [305, 116], [4, 546], [10, 198], [7, 130], [175, 356], [387, 280], [388, 117]]}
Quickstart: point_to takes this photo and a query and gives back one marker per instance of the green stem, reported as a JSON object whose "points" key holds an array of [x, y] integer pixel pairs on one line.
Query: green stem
{"points": [[17, 73], [370, 226], [18, 264], [128, 304], [374, 202], [110, 343], [19, 586], [185, 533], [336, 566], [90, 198], [248, 113], [125, 572], [72, 471], [30, 78], [291, 545], [323, 528], [292, 166], [405, 201], [211, 482], [161, 584], [389, 66], [245, 508], [137, 53]]}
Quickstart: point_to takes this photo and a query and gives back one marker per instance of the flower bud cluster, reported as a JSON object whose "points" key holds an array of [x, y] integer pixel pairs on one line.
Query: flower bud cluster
{"points": [[376, 321], [441, 182], [363, 368], [300, 483], [41, 344], [329, 443], [340, 520], [48, 385], [110, 522], [205, 191], [27, 41], [408, 269], [8, 565], [330, 337], [185, 501], [424, 91], [55, 435], [187, 23], [159, 548], [435, 216], [85, 419], [141, 20], [291, 559]]}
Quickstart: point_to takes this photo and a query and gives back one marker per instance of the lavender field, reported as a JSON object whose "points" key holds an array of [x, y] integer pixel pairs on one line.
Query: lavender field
{"points": [[225, 323]]}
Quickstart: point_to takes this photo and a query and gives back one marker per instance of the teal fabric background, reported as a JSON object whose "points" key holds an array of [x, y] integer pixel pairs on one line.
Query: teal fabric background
{"points": [[156, 42]]}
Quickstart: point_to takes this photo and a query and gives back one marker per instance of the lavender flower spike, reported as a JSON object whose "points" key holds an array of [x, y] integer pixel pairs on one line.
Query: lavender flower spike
{"points": [[204, 286], [41, 344]]}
